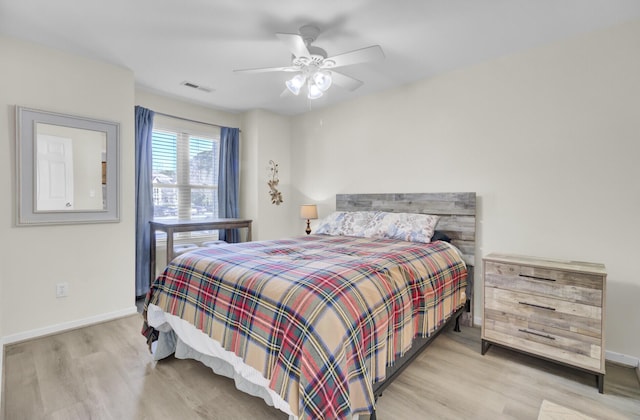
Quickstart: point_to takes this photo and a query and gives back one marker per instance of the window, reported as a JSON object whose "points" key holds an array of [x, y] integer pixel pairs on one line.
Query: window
{"points": [[185, 170]]}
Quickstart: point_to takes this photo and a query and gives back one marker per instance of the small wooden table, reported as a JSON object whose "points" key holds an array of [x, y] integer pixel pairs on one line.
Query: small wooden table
{"points": [[172, 226]]}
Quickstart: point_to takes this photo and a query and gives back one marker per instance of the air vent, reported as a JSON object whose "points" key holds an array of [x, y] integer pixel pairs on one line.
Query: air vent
{"points": [[196, 86]]}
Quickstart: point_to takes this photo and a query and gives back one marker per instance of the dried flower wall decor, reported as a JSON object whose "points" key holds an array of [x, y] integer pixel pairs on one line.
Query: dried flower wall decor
{"points": [[276, 196]]}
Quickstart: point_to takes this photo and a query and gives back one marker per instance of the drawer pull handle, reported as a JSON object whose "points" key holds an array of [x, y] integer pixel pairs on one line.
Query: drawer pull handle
{"points": [[537, 306], [538, 334], [536, 278]]}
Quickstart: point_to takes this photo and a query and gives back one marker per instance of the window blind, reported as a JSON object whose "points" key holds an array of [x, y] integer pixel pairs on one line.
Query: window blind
{"points": [[185, 173]]}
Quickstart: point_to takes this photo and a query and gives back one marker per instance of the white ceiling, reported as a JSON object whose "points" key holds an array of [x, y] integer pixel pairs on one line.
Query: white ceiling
{"points": [[166, 42]]}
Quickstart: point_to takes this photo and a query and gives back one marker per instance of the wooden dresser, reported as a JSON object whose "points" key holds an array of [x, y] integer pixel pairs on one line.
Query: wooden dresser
{"points": [[547, 308]]}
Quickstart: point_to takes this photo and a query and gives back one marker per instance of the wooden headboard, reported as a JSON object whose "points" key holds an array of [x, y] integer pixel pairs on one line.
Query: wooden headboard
{"points": [[457, 212]]}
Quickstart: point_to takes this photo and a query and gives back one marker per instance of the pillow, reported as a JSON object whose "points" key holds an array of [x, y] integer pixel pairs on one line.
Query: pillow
{"points": [[404, 226], [354, 223], [330, 224], [439, 235]]}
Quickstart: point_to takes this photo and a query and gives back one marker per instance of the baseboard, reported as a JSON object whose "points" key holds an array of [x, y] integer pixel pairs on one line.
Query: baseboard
{"points": [[65, 326], [622, 359]]}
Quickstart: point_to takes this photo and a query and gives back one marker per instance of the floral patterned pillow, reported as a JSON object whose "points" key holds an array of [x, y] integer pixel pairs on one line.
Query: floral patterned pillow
{"points": [[330, 225], [404, 226], [354, 223], [378, 224]]}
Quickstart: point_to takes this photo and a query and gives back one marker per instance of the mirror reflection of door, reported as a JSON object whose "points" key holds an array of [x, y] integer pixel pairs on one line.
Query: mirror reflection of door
{"points": [[69, 169], [54, 173]]}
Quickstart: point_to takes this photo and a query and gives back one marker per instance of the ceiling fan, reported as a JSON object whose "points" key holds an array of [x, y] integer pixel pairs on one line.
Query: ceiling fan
{"points": [[314, 68]]}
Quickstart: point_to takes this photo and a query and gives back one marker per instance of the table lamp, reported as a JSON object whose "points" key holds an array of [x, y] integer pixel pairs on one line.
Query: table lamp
{"points": [[308, 211]]}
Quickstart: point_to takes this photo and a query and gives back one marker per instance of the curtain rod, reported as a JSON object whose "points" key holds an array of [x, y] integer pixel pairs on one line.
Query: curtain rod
{"points": [[188, 119]]}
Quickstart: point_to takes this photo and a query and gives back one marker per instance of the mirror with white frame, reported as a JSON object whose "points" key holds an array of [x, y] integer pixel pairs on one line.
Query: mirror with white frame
{"points": [[67, 169]]}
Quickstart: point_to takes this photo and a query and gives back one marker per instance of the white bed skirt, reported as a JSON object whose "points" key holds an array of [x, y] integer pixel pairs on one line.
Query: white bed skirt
{"points": [[187, 342]]}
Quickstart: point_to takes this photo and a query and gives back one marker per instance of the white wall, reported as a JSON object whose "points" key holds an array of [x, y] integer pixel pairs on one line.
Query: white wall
{"points": [[96, 260], [267, 137], [250, 173], [548, 139], [179, 108]]}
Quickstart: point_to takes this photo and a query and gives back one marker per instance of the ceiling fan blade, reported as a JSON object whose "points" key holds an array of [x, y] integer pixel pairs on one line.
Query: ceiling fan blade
{"points": [[345, 81], [362, 55], [267, 69], [295, 43]]}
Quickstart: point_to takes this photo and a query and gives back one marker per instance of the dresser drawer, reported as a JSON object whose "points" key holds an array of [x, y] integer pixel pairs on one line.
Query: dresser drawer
{"points": [[521, 336], [574, 287], [548, 313]]}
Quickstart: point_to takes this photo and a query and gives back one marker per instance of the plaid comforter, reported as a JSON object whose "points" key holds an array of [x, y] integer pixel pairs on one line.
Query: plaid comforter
{"points": [[320, 316]]}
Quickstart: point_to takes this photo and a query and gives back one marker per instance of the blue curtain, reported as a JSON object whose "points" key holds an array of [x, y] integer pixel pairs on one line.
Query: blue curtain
{"points": [[229, 180], [144, 197]]}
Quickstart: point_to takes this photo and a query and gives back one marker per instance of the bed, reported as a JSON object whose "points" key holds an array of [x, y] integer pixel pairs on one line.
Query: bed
{"points": [[318, 326]]}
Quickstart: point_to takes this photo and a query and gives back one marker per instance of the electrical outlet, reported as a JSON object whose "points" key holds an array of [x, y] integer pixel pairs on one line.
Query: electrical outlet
{"points": [[62, 289]]}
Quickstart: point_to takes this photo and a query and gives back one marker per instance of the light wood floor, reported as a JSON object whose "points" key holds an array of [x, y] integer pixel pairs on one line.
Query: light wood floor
{"points": [[105, 372]]}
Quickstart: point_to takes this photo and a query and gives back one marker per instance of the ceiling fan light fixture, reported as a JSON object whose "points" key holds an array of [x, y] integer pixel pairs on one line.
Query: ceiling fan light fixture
{"points": [[322, 79], [313, 91], [313, 67], [295, 83]]}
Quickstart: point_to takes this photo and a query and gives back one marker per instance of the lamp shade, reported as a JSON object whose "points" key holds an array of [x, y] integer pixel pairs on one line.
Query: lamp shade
{"points": [[308, 211], [313, 91], [295, 83], [322, 79]]}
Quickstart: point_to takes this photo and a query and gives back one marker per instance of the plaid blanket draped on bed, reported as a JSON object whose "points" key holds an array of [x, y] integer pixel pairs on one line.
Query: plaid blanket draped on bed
{"points": [[320, 316]]}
